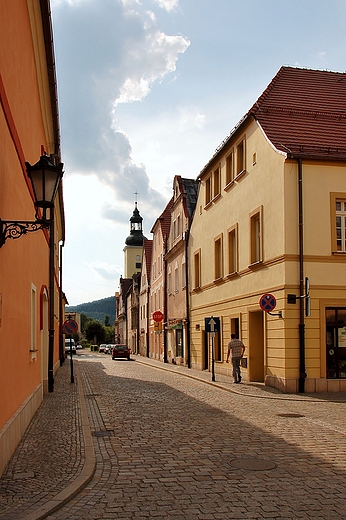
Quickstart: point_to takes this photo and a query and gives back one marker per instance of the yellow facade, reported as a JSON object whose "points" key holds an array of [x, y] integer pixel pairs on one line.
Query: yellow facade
{"points": [[256, 213]]}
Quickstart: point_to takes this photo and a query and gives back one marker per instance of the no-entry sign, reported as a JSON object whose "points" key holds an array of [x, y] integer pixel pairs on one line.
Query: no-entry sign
{"points": [[70, 327], [267, 302]]}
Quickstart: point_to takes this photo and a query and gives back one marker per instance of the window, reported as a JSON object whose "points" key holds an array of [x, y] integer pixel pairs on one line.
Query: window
{"points": [[169, 282], [176, 278], [178, 226], [340, 221], [256, 236], [208, 190], [138, 262], [197, 269], [240, 165], [183, 273], [229, 168], [217, 181], [233, 250], [218, 258]]}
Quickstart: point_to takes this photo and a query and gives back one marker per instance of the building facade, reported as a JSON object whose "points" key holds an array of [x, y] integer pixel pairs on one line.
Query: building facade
{"points": [[30, 296], [177, 323], [270, 220], [157, 301]]}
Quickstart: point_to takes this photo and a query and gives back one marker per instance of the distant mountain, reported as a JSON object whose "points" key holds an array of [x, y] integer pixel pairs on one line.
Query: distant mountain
{"points": [[97, 309]]}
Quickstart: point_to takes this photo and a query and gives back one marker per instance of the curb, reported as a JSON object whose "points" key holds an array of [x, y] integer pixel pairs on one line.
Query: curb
{"points": [[87, 472]]}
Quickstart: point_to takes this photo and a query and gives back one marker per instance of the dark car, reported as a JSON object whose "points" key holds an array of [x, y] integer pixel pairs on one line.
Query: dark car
{"points": [[121, 351]]}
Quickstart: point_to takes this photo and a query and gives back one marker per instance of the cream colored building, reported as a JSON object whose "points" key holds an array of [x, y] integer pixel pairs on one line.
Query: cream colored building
{"points": [[157, 299], [271, 212], [177, 326]]}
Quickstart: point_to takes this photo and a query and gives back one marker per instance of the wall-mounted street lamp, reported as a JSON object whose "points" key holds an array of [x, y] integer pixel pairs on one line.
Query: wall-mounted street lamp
{"points": [[45, 178]]}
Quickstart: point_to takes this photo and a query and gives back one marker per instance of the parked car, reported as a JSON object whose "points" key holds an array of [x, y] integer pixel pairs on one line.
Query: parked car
{"points": [[102, 347], [68, 346], [121, 351]]}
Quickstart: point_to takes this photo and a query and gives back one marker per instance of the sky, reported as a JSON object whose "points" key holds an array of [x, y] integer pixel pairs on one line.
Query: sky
{"points": [[148, 89]]}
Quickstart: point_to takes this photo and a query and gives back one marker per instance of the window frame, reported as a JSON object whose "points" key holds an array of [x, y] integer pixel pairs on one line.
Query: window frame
{"points": [[232, 251], [240, 162], [256, 242], [229, 168], [334, 198], [218, 258], [197, 269]]}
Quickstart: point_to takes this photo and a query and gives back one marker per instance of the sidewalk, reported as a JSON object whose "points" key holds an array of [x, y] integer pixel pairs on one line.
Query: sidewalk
{"points": [[56, 458]]}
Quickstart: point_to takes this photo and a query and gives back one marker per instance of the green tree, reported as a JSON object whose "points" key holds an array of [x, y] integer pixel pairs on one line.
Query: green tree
{"points": [[109, 338], [95, 332], [107, 322]]}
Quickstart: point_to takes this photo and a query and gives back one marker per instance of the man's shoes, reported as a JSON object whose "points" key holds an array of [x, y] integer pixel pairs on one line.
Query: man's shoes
{"points": [[239, 379], [236, 382]]}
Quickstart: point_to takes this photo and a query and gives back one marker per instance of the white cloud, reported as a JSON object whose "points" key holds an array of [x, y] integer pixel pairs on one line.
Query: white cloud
{"points": [[105, 270], [169, 5]]}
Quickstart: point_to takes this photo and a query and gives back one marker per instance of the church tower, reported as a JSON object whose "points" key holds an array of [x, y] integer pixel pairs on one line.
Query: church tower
{"points": [[133, 249]]}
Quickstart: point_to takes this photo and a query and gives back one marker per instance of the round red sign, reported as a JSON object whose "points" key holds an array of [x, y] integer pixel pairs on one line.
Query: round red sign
{"points": [[157, 316]]}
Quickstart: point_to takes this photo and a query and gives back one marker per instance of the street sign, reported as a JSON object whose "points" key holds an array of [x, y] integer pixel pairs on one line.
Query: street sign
{"points": [[157, 316], [70, 327], [212, 324], [267, 302]]}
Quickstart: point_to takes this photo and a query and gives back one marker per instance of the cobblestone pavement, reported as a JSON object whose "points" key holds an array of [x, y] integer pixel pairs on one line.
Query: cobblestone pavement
{"points": [[171, 447]]}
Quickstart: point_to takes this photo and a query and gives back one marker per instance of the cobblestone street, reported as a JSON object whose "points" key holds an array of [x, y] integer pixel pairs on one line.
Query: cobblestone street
{"points": [[172, 447]]}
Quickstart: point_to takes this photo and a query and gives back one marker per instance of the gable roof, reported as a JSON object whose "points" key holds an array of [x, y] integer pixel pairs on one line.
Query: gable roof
{"points": [[303, 114]]}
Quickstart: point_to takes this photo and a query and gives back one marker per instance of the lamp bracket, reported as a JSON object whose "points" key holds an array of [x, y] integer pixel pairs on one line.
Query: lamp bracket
{"points": [[15, 229]]}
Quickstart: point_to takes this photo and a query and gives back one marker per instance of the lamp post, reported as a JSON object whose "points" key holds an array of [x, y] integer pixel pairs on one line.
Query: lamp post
{"points": [[45, 178]]}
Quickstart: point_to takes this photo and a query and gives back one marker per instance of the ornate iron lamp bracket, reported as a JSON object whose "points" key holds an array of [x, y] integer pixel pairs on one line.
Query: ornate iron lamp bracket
{"points": [[10, 229]]}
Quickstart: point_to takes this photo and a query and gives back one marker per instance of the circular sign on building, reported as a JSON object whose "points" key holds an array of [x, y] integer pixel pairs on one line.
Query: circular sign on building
{"points": [[157, 316], [267, 302], [70, 327]]}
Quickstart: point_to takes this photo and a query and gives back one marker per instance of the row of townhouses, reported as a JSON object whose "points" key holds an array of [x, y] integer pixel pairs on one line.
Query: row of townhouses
{"points": [[257, 242]]}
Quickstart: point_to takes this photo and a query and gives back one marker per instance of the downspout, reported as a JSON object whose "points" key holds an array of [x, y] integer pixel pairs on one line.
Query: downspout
{"points": [[61, 342], [302, 373], [187, 301]]}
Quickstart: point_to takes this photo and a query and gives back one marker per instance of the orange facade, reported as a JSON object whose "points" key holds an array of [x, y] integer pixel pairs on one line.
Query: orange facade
{"points": [[28, 128]]}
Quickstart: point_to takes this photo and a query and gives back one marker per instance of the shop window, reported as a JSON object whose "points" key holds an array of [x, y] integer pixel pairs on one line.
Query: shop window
{"points": [[336, 342]]}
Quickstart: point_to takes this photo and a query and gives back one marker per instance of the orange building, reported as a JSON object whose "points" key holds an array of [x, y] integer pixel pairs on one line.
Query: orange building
{"points": [[30, 306]]}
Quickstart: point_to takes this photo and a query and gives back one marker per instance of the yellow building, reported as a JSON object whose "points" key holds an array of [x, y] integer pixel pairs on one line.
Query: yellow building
{"points": [[271, 213]]}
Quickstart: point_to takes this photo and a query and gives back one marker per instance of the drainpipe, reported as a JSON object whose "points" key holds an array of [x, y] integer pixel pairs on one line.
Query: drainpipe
{"points": [[61, 339], [302, 373], [186, 238]]}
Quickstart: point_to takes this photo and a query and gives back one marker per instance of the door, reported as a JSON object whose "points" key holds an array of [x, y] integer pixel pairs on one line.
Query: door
{"points": [[256, 347]]}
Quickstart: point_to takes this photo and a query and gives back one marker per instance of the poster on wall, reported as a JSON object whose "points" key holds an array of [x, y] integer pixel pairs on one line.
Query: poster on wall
{"points": [[342, 337]]}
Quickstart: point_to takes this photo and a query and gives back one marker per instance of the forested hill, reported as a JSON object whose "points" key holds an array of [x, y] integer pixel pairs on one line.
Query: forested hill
{"points": [[97, 309]]}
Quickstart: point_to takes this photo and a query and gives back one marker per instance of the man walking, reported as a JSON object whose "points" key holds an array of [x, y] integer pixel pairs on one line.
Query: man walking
{"points": [[238, 348]]}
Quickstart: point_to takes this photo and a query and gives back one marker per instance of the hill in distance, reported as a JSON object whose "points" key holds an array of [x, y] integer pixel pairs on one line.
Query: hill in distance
{"points": [[97, 309]]}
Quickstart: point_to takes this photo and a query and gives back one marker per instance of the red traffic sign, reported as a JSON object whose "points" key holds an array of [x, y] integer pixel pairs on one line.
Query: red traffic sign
{"points": [[157, 316], [267, 302], [70, 327]]}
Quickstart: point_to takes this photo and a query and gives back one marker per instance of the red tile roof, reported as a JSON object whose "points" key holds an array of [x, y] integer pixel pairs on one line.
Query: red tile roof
{"points": [[303, 112]]}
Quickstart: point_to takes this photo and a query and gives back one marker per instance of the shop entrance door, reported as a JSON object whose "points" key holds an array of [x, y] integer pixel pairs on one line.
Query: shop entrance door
{"points": [[336, 342]]}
